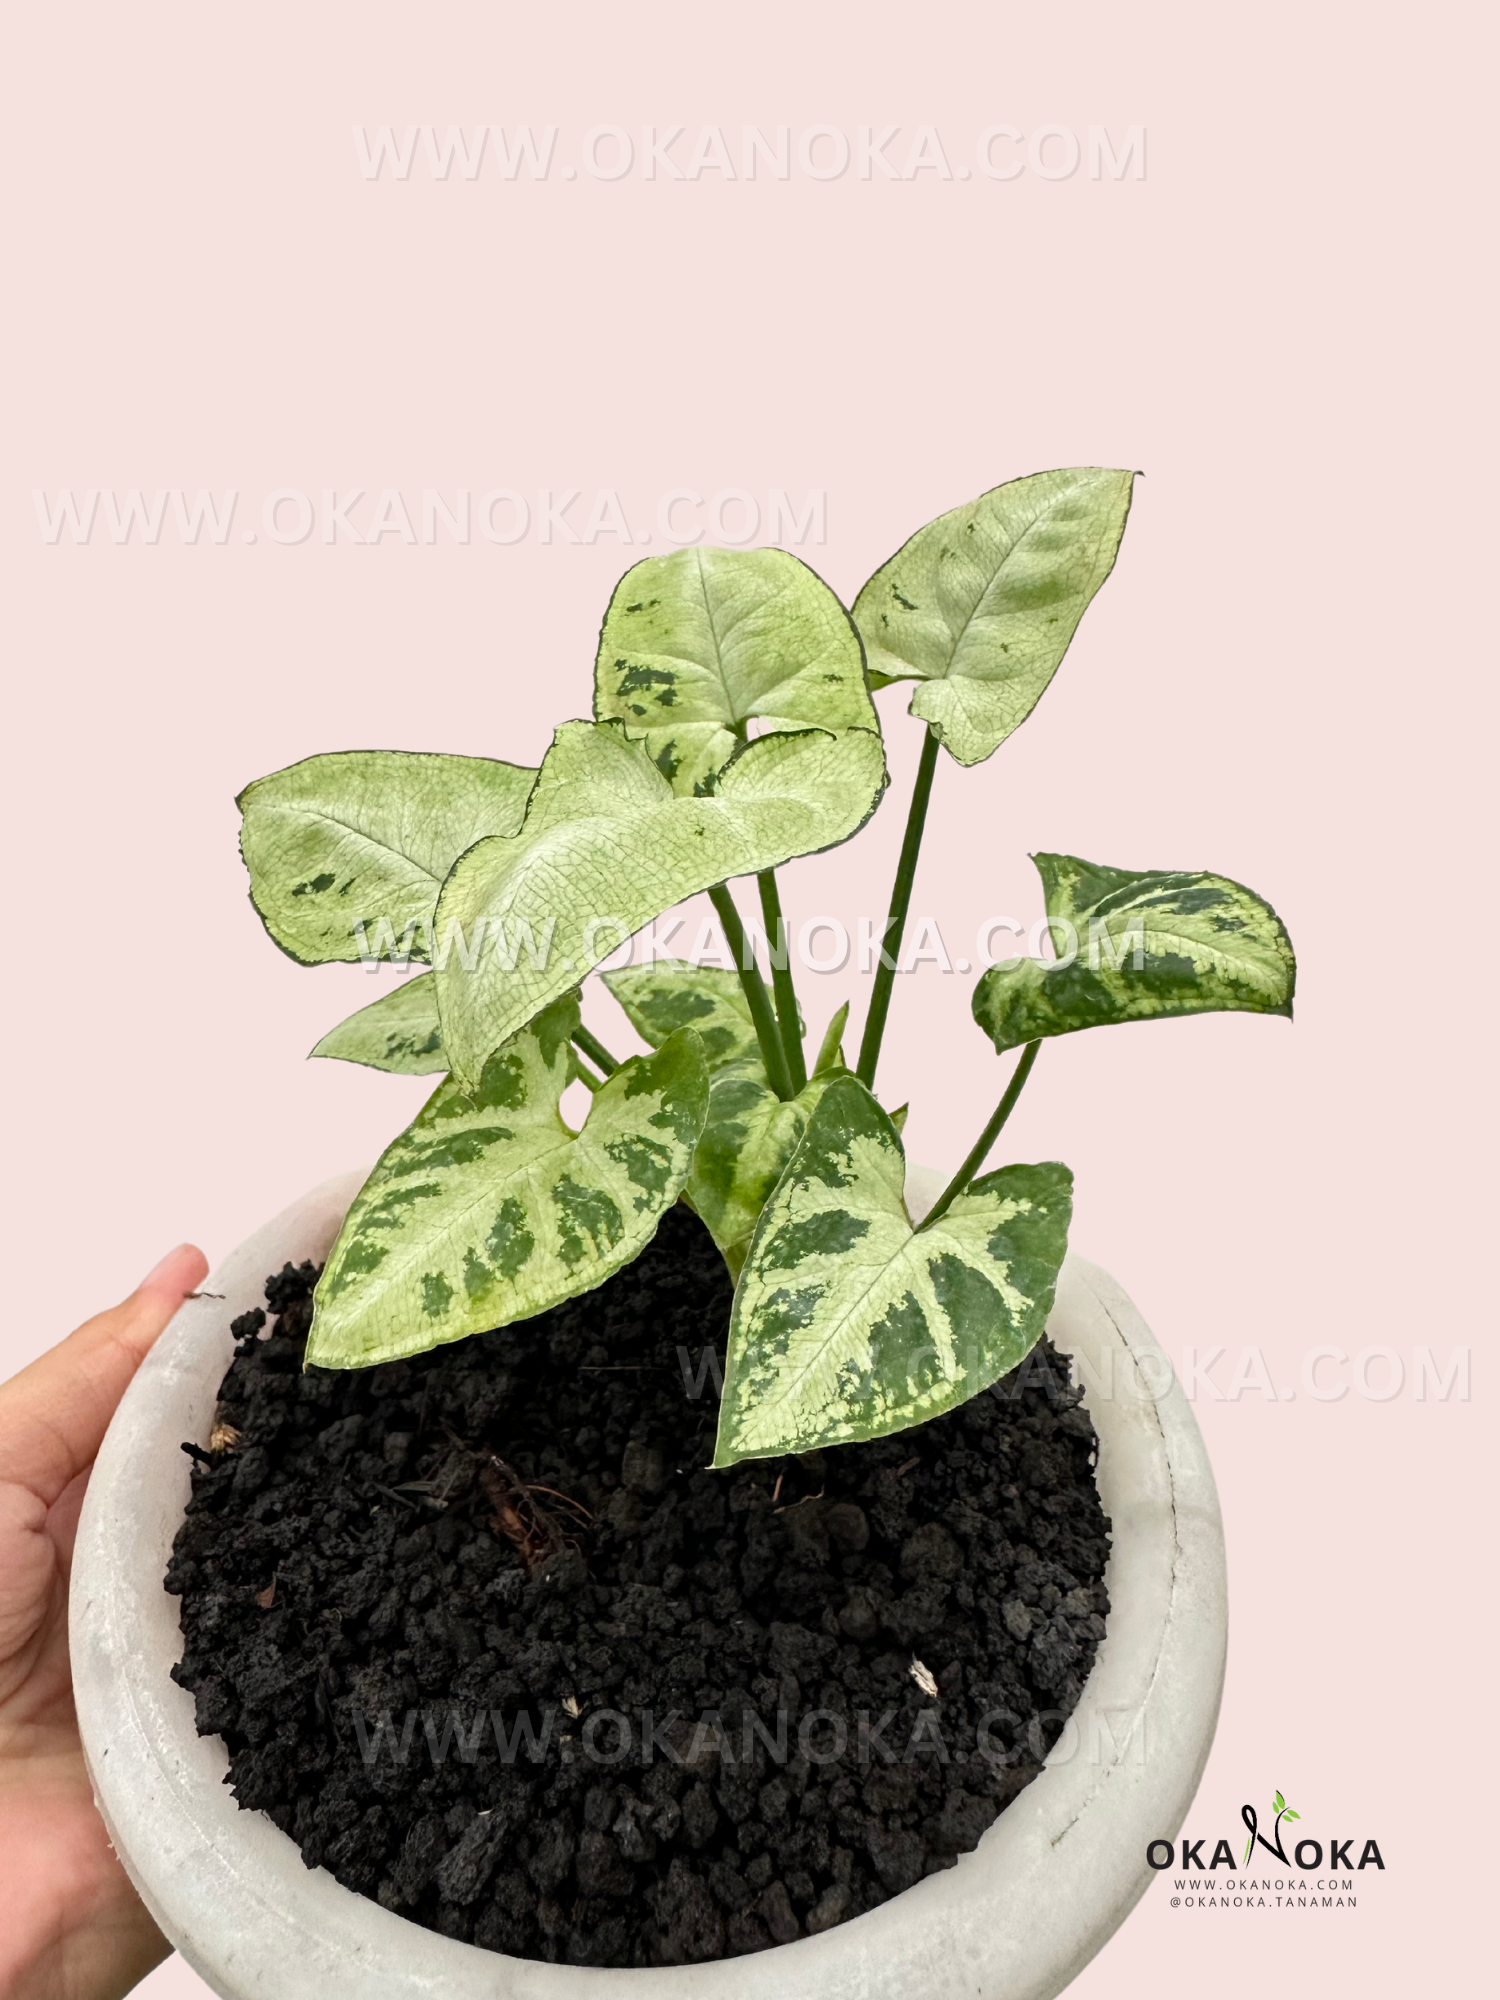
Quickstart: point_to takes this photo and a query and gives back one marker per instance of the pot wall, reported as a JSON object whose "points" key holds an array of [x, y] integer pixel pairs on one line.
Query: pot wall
{"points": [[1015, 1920]]}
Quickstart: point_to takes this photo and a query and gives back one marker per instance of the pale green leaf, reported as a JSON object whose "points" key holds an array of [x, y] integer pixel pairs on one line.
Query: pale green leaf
{"points": [[847, 1323], [830, 1051], [980, 605], [660, 998], [700, 643], [488, 1209], [748, 1137], [367, 837], [607, 845], [399, 1031], [1148, 946]]}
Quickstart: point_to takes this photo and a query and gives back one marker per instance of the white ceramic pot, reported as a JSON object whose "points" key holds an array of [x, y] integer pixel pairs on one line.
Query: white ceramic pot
{"points": [[1015, 1920]]}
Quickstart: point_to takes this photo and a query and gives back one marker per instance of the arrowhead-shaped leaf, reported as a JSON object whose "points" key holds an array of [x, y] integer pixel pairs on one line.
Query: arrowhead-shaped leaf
{"points": [[981, 604], [699, 643], [607, 845], [399, 1031], [1149, 945], [660, 998], [849, 1324], [749, 1133], [367, 837], [488, 1209], [748, 1137]]}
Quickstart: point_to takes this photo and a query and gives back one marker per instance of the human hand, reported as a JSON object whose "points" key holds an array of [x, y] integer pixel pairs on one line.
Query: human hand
{"points": [[73, 1928]]}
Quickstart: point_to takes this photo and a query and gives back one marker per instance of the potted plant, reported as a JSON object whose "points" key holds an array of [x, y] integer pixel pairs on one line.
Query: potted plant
{"points": [[455, 1499]]}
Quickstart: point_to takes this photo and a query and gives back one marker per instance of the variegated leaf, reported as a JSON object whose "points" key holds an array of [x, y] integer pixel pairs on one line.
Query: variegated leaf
{"points": [[399, 1031], [849, 1324], [980, 605], [697, 644], [749, 1133], [488, 1209], [748, 1137], [607, 845], [1148, 946], [671, 993], [366, 837]]}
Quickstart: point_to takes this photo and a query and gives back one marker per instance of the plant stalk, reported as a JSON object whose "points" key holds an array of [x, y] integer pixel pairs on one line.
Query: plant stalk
{"points": [[781, 978], [595, 1050], [895, 923], [986, 1138], [773, 1055]]}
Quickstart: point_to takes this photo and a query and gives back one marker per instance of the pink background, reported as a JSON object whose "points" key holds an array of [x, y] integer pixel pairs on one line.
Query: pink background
{"points": [[1283, 681]]}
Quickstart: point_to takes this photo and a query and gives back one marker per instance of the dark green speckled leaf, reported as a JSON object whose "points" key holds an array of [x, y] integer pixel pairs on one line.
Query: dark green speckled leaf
{"points": [[1149, 946], [849, 1324], [748, 1137], [749, 1134], [672, 993], [488, 1209]]}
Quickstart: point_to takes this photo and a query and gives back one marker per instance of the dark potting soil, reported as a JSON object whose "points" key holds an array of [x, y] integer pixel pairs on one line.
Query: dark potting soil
{"points": [[485, 1637]]}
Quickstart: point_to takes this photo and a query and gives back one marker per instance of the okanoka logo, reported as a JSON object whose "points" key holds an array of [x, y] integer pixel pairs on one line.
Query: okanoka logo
{"points": [[1332, 1851]]}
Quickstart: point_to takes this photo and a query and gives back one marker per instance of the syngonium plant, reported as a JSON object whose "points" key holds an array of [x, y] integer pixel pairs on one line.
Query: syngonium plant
{"points": [[733, 731]]}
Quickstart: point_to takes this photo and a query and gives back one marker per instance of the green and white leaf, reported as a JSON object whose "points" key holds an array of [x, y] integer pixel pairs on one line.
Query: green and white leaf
{"points": [[981, 604], [1149, 946], [699, 643], [366, 837], [749, 1133], [489, 1209], [672, 993], [607, 845], [400, 1031], [848, 1324], [748, 1137]]}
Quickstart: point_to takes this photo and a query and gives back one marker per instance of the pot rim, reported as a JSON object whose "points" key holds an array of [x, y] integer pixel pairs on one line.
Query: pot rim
{"points": [[1015, 1919]]}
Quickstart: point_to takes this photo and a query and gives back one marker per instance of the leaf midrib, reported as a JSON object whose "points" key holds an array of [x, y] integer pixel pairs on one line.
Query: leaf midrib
{"points": [[1036, 518], [319, 813]]}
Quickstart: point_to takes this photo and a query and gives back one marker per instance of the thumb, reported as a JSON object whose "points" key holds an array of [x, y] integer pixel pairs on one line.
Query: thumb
{"points": [[54, 1414]]}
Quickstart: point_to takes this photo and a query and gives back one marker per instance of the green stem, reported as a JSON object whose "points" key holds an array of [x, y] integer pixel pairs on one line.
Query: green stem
{"points": [[773, 1055], [595, 1050], [895, 923], [986, 1138], [781, 978], [586, 1076]]}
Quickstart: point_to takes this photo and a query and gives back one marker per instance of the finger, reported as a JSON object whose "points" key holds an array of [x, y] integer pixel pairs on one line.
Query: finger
{"points": [[54, 1414], [62, 1519]]}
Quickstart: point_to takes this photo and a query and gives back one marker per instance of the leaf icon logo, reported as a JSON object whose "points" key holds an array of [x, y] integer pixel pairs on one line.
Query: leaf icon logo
{"points": [[1273, 1845]]}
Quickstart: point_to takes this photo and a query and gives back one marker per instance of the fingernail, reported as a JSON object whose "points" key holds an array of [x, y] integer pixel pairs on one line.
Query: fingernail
{"points": [[156, 1269]]}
